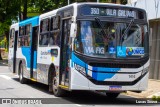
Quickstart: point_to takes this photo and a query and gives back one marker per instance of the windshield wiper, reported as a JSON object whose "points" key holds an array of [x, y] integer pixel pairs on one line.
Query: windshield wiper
{"points": [[100, 24], [127, 29]]}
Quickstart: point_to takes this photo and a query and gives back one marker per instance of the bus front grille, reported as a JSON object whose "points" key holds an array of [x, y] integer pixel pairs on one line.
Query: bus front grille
{"points": [[115, 65]]}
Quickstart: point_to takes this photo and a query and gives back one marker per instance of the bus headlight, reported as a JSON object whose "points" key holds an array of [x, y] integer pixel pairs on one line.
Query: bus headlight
{"points": [[80, 69], [144, 71]]}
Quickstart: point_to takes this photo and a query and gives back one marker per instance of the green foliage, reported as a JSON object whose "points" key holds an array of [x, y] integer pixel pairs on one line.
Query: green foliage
{"points": [[3, 43], [4, 26], [8, 11], [156, 98], [42, 6]]}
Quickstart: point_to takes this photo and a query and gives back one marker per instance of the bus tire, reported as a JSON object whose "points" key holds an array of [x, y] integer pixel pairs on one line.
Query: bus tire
{"points": [[57, 91], [21, 78], [112, 95]]}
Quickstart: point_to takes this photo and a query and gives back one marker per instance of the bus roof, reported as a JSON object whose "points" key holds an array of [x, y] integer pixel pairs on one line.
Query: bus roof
{"points": [[51, 13], [34, 21], [109, 4], [15, 26]]}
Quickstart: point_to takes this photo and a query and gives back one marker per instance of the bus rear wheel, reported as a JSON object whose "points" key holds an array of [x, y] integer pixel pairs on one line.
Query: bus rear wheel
{"points": [[112, 95], [21, 78], [58, 92]]}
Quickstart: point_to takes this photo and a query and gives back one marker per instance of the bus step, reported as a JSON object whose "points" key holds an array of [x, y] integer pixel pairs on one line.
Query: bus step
{"points": [[64, 87], [32, 79]]}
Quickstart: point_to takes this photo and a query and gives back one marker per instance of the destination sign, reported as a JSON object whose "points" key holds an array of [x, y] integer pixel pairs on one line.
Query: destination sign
{"points": [[113, 12]]}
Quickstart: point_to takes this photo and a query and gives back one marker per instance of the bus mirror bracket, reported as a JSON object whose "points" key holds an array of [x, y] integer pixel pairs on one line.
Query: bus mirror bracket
{"points": [[73, 30]]}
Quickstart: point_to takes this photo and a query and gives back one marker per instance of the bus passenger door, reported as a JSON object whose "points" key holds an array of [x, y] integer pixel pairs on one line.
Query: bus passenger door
{"points": [[33, 73], [65, 52], [12, 50]]}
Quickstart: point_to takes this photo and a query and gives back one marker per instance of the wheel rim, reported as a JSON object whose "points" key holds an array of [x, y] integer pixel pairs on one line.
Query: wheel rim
{"points": [[55, 87]]}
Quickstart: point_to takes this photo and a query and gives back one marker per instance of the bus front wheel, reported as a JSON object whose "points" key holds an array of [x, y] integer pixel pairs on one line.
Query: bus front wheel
{"points": [[112, 95], [21, 78]]}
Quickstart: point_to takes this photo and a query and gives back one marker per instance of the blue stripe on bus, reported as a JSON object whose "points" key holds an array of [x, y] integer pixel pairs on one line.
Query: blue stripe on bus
{"points": [[102, 69], [76, 60], [102, 76], [99, 76], [27, 53], [35, 60], [34, 21]]}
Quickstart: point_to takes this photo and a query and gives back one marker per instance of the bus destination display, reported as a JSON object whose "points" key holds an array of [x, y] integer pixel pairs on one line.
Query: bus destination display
{"points": [[113, 12]]}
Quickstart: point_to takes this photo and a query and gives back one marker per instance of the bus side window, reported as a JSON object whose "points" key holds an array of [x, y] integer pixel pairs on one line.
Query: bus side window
{"points": [[44, 32], [11, 42], [21, 36], [55, 28], [27, 35]]}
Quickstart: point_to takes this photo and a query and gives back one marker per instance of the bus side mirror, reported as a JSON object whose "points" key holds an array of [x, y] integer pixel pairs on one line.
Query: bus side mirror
{"points": [[73, 30]]}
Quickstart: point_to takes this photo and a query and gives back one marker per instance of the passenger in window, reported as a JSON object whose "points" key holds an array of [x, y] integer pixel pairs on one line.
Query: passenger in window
{"points": [[21, 32], [25, 43], [44, 40], [51, 41], [56, 39]]}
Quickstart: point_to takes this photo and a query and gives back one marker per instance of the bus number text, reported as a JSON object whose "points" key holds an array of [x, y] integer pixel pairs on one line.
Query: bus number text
{"points": [[132, 76], [94, 10]]}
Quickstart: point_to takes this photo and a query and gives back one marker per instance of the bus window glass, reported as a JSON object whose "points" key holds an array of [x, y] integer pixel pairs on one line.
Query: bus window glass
{"points": [[55, 23], [55, 26], [12, 34], [43, 39], [27, 35], [94, 41], [45, 25], [44, 32], [21, 36], [54, 39]]}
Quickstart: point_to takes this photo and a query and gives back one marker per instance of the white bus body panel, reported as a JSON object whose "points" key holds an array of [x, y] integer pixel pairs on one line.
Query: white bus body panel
{"points": [[10, 52], [80, 82]]}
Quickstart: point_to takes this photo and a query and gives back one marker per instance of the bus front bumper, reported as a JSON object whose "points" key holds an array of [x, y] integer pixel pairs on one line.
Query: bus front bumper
{"points": [[80, 82]]}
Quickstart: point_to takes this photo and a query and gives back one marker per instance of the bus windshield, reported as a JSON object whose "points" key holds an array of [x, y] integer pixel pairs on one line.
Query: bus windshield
{"points": [[92, 41]]}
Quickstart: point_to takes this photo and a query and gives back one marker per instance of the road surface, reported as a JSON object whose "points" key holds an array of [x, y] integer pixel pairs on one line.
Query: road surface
{"points": [[10, 87]]}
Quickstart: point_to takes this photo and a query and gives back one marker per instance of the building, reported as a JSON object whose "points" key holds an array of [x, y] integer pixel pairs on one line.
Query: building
{"points": [[153, 12]]}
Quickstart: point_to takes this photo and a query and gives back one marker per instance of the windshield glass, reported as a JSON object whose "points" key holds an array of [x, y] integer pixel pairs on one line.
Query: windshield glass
{"points": [[92, 41]]}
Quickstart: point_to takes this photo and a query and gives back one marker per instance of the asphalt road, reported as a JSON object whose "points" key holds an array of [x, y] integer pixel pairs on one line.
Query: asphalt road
{"points": [[10, 87]]}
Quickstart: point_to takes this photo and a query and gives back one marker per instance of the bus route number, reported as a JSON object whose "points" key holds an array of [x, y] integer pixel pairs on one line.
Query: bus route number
{"points": [[132, 76], [94, 10]]}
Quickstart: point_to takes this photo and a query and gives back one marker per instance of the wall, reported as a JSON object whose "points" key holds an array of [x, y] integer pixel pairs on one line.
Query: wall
{"points": [[155, 49], [151, 6]]}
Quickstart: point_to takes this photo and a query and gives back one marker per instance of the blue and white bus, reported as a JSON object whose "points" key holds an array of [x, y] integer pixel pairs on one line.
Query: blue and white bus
{"points": [[83, 46]]}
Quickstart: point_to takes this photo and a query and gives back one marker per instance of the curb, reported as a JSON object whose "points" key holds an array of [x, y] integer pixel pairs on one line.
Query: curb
{"points": [[156, 94]]}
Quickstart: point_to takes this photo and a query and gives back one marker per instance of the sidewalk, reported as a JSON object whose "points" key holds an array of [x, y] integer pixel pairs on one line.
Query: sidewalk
{"points": [[153, 90]]}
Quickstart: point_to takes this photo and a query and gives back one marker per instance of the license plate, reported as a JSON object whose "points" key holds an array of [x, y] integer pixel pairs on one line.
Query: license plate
{"points": [[115, 88]]}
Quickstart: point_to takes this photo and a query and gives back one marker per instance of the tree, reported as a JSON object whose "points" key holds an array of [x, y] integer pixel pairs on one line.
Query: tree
{"points": [[7, 15]]}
